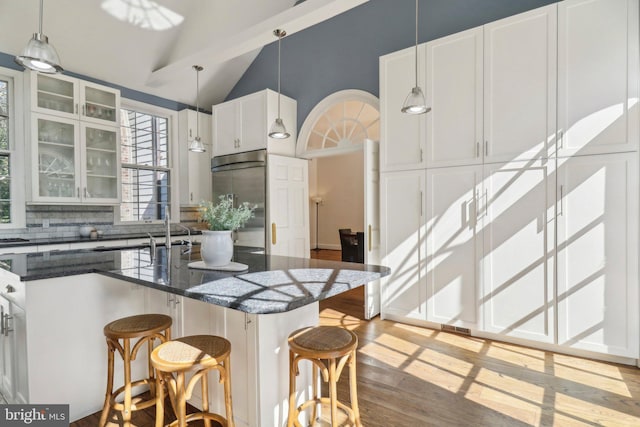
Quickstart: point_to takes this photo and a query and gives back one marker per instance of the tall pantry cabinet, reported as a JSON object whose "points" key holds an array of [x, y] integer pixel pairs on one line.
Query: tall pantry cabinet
{"points": [[530, 170]]}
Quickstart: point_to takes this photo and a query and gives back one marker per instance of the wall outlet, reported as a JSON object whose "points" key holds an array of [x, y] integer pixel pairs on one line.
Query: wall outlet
{"points": [[45, 223]]}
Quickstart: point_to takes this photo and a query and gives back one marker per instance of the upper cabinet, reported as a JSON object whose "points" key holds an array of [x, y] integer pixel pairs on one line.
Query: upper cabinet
{"points": [[75, 141], [597, 76], [195, 168], [243, 124], [72, 98], [403, 135], [520, 86]]}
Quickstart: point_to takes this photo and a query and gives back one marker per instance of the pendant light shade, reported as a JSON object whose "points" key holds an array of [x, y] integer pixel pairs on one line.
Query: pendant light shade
{"points": [[39, 55], [196, 144], [278, 129], [415, 102]]}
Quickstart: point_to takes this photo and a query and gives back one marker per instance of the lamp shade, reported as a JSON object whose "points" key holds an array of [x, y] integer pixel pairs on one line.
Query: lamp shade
{"points": [[415, 102], [40, 56], [196, 145], [278, 130]]}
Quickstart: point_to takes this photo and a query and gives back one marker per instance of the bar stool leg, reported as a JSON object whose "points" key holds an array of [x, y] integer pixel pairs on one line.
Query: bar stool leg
{"points": [[353, 389], [292, 391], [333, 392], [107, 398], [159, 401], [227, 391], [127, 381], [315, 386], [181, 401], [204, 383]]}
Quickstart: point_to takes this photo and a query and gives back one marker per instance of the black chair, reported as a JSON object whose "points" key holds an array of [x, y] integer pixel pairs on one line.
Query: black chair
{"points": [[352, 245]]}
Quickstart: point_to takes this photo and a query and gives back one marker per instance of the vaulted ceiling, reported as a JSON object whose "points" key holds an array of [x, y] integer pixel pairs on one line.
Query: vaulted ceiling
{"points": [[151, 46]]}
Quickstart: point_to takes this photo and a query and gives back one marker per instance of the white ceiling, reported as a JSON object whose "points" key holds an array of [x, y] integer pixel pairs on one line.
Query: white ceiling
{"points": [[151, 45]]}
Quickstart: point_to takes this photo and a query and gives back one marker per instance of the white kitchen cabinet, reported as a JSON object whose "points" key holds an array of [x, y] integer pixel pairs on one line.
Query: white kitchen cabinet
{"points": [[518, 210], [520, 85], [402, 244], [195, 168], [598, 253], [72, 98], [243, 124], [403, 136], [13, 341], [454, 245], [288, 206], [455, 89], [74, 161], [598, 70]]}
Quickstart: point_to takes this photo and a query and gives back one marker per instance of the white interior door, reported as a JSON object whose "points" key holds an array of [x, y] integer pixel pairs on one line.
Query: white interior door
{"points": [[372, 222], [288, 206]]}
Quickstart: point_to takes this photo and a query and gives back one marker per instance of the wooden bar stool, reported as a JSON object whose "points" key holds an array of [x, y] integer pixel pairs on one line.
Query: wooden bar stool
{"points": [[197, 354], [329, 349], [119, 333]]}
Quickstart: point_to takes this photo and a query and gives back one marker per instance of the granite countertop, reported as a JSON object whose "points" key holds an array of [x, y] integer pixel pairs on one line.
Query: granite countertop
{"points": [[271, 284]]}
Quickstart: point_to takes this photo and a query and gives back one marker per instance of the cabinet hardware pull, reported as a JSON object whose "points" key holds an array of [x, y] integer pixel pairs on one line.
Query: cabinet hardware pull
{"points": [[273, 233], [86, 193], [78, 192], [246, 321], [84, 109], [561, 200], [76, 108], [2, 327], [421, 211], [421, 155], [10, 289], [369, 237], [561, 140], [7, 329], [191, 197]]}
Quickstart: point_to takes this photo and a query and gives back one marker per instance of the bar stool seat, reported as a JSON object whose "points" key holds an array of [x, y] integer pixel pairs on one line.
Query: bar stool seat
{"points": [[329, 349], [146, 328], [197, 354]]}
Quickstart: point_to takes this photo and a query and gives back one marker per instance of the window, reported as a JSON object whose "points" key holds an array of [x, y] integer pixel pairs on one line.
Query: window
{"points": [[146, 176], [5, 154]]}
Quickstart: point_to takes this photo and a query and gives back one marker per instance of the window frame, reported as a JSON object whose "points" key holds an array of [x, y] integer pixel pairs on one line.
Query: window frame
{"points": [[172, 134], [17, 152]]}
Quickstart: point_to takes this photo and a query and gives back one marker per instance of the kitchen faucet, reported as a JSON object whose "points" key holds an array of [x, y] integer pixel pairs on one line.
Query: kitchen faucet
{"points": [[167, 223]]}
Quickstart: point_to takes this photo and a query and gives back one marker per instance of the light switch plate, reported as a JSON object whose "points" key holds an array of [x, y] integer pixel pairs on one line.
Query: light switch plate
{"points": [[45, 223]]}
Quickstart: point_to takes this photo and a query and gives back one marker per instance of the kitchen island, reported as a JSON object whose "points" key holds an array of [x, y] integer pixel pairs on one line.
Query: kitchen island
{"points": [[68, 296]]}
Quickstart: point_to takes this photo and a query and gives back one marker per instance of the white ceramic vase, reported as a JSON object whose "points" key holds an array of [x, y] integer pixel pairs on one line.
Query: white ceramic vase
{"points": [[216, 248]]}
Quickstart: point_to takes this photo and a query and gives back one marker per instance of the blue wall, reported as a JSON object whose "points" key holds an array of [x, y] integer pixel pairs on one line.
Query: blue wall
{"points": [[7, 61], [342, 53]]}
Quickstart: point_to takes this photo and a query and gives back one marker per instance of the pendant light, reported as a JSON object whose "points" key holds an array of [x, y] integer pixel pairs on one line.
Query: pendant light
{"points": [[278, 130], [39, 55], [196, 144], [415, 102]]}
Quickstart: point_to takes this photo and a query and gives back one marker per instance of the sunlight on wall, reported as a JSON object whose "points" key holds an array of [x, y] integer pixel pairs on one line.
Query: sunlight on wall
{"points": [[145, 14]]}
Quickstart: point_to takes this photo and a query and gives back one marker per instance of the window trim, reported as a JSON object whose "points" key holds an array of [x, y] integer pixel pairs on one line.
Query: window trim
{"points": [[172, 117], [19, 175]]}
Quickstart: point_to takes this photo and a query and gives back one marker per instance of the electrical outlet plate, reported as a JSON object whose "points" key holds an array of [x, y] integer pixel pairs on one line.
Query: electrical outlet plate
{"points": [[45, 223]]}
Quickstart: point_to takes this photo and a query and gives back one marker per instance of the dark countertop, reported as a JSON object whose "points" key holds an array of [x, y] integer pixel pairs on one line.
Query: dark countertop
{"points": [[272, 284]]}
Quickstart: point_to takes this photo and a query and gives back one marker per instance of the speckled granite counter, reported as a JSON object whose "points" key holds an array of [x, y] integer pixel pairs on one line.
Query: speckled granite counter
{"points": [[272, 284]]}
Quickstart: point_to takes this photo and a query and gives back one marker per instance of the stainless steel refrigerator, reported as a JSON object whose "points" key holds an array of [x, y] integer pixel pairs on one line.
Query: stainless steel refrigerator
{"points": [[242, 177]]}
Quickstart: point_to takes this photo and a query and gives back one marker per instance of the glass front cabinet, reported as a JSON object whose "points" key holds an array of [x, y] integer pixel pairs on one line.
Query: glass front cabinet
{"points": [[75, 145]]}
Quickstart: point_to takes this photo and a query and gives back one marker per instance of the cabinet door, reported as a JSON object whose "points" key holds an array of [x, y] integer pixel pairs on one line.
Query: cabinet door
{"points": [[253, 128], [402, 141], [7, 353], [288, 206], [453, 248], [402, 244], [454, 88], [520, 85], [518, 258], [597, 76], [100, 158], [19, 330], [100, 104], [55, 152], [161, 302], [597, 253], [225, 128], [56, 95], [195, 168]]}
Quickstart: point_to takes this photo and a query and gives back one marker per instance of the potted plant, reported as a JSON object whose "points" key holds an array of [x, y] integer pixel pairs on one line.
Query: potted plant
{"points": [[216, 248]]}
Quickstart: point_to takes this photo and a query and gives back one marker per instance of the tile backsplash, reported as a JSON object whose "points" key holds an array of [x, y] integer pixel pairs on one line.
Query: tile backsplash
{"points": [[60, 221]]}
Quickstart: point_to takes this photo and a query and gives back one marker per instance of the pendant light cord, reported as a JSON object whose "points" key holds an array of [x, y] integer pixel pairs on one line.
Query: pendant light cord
{"points": [[197, 102], [416, 43], [40, 22], [279, 41]]}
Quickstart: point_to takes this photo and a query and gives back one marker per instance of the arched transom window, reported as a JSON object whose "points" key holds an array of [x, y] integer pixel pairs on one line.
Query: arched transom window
{"points": [[340, 123]]}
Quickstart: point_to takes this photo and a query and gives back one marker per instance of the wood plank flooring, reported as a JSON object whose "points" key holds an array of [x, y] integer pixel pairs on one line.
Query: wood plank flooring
{"points": [[414, 377]]}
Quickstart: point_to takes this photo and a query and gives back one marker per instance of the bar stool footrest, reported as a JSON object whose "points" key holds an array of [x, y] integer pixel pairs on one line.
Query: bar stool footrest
{"points": [[327, 401], [135, 405]]}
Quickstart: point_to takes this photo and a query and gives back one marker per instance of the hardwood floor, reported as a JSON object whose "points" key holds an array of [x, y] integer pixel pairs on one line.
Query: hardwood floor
{"points": [[414, 377]]}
